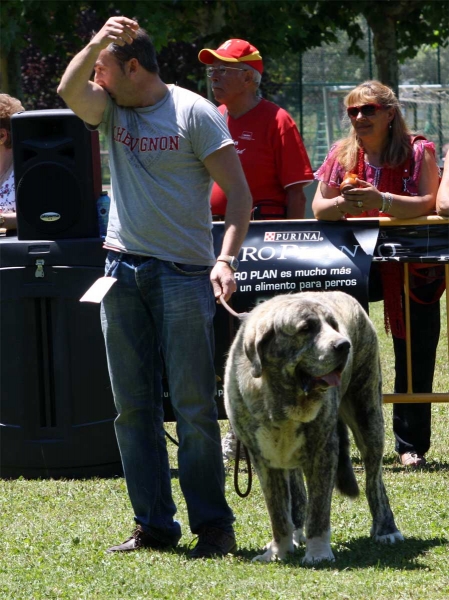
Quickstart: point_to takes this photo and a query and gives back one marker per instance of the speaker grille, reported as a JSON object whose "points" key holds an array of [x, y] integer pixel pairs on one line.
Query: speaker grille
{"points": [[49, 188], [57, 170]]}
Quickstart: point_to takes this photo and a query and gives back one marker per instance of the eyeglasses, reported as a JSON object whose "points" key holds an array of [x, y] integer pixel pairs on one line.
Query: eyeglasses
{"points": [[221, 70], [367, 110]]}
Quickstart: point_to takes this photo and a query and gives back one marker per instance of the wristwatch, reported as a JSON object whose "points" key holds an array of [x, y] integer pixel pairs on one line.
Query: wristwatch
{"points": [[231, 260]]}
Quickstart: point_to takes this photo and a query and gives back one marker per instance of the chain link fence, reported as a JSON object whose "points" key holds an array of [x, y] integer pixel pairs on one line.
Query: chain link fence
{"points": [[313, 86]]}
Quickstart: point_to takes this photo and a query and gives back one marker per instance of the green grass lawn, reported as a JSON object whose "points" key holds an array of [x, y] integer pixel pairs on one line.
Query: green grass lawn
{"points": [[54, 535]]}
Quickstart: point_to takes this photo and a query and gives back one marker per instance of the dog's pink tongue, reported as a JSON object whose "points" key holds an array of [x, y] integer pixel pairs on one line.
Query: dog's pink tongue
{"points": [[332, 379]]}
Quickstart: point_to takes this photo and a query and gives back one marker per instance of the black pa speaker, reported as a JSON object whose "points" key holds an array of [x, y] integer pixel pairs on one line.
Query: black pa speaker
{"points": [[57, 174], [56, 404]]}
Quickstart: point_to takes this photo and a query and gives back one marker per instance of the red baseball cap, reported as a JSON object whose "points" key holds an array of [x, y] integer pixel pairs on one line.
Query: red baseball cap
{"points": [[234, 51]]}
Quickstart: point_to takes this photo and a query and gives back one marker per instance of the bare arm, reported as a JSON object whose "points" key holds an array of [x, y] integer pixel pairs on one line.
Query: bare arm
{"points": [[86, 98], [225, 168], [10, 220], [443, 191], [330, 205], [296, 201]]}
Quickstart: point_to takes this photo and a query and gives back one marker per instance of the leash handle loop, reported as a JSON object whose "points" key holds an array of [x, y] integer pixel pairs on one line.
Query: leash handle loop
{"points": [[236, 470]]}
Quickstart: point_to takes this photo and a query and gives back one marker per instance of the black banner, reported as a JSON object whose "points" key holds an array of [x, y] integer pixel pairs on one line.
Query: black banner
{"points": [[413, 243], [279, 257]]}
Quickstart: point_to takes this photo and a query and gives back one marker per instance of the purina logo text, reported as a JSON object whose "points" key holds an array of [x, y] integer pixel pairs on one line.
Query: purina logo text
{"points": [[292, 236]]}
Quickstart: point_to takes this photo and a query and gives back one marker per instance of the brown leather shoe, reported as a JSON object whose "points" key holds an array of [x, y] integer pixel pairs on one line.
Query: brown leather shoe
{"points": [[139, 539], [213, 542], [412, 459]]}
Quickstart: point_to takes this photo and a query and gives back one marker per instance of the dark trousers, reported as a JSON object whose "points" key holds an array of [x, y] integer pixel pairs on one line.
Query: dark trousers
{"points": [[412, 422]]}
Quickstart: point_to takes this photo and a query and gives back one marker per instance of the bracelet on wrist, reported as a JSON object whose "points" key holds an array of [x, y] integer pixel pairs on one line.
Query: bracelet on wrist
{"points": [[388, 202], [342, 212]]}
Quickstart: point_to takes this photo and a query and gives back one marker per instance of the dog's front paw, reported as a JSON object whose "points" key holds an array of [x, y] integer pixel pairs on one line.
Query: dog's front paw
{"points": [[298, 537], [267, 556], [274, 551], [311, 559], [390, 538], [318, 549]]}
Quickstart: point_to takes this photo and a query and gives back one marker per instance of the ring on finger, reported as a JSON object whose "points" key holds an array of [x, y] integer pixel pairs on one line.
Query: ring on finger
{"points": [[359, 204]]}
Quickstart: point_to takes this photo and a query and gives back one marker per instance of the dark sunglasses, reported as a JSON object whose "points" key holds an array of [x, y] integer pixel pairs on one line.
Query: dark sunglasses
{"points": [[367, 110]]}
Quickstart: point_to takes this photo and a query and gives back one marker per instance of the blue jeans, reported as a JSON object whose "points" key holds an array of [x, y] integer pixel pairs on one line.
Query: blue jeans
{"points": [[161, 314]]}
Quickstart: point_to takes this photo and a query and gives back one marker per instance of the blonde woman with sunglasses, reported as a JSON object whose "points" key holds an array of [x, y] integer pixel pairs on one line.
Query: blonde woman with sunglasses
{"points": [[395, 174], [378, 150]]}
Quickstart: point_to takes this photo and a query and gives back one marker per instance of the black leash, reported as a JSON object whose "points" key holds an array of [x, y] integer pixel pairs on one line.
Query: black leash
{"points": [[236, 470], [172, 439], [237, 449]]}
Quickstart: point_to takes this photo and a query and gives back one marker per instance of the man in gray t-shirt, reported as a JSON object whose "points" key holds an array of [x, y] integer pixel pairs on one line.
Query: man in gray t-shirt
{"points": [[166, 144], [159, 150]]}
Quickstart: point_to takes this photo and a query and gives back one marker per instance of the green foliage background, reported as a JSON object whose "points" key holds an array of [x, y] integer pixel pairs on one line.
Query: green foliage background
{"points": [[399, 27]]}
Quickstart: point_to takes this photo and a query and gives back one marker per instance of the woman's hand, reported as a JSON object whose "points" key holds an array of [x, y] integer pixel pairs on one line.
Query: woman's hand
{"points": [[362, 198], [329, 205]]}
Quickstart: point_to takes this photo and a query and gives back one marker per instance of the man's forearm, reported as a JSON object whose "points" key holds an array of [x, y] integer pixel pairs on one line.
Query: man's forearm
{"points": [[238, 213], [237, 217], [84, 97], [75, 87]]}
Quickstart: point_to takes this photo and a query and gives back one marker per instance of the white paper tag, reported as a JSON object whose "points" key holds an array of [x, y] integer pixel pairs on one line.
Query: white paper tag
{"points": [[98, 290]]}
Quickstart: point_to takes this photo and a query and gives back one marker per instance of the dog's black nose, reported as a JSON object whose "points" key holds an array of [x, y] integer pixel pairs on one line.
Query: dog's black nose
{"points": [[342, 346]]}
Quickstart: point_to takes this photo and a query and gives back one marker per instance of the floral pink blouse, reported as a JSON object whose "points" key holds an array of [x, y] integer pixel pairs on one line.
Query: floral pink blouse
{"points": [[332, 173], [8, 195]]}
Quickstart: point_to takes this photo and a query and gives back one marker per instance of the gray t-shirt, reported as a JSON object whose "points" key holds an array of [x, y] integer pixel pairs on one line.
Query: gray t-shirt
{"points": [[160, 186]]}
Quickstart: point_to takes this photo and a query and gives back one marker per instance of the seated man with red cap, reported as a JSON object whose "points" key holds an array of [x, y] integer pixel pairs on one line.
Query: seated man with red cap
{"points": [[267, 140]]}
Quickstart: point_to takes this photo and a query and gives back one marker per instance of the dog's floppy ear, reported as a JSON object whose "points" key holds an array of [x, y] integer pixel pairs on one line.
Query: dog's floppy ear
{"points": [[255, 337]]}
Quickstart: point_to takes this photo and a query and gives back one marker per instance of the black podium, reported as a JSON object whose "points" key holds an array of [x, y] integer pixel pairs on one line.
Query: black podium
{"points": [[55, 398]]}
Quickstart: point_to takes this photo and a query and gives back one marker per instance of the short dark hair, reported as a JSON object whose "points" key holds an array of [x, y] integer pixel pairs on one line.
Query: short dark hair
{"points": [[141, 48]]}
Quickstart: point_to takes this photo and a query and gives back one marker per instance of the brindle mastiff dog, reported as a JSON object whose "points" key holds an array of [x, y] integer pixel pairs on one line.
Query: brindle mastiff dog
{"points": [[302, 368]]}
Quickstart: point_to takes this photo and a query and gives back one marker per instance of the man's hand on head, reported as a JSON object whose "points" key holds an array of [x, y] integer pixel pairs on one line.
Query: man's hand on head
{"points": [[116, 30]]}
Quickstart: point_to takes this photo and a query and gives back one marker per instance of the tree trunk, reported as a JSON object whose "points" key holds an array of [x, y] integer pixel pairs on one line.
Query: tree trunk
{"points": [[385, 50], [10, 74]]}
